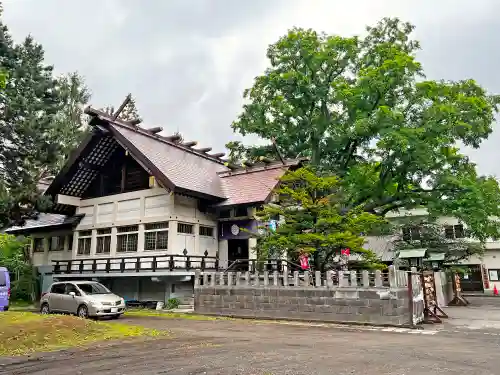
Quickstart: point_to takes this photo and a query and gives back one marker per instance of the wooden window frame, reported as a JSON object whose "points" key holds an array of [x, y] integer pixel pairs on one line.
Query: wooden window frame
{"points": [[157, 229], [41, 241], [103, 238], [128, 236], [412, 230], [184, 226], [84, 243], [203, 228], [453, 229]]}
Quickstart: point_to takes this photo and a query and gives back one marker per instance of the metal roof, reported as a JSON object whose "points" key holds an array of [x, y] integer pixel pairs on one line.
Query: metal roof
{"points": [[382, 246], [252, 186], [177, 167], [184, 169], [44, 221], [434, 257], [411, 253]]}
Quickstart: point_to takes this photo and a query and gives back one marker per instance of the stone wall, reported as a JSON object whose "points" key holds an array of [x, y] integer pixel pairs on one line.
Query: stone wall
{"points": [[347, 297]]}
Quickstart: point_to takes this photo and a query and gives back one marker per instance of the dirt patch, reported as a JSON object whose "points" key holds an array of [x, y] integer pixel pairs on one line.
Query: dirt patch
{"points": [[23, 333]]}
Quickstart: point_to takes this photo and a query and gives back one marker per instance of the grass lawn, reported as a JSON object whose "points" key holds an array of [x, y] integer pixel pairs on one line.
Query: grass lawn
{"points": [[20, 305], [23, 333], [170, 315]]}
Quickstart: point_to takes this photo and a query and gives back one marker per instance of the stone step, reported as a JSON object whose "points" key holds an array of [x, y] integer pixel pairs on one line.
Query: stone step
{"points": [[183, 311]]}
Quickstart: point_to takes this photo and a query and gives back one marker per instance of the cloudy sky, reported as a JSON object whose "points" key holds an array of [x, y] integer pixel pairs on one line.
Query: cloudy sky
{"points": [[187, 62]]}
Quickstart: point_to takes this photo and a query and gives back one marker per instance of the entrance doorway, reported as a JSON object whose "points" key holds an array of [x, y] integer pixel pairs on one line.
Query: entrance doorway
{"points": [[237, 250], [472, 280]]}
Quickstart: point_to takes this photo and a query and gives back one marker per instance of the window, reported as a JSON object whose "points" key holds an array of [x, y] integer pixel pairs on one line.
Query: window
{"points": [[206, 231], [454, 231], [3, 278], [58, 288], [156, 236], [185, 228], [38, 246], [72, 288], [84, 242], [93, 288], [494, 275], [225, 214], [103, 241], [70, 242], [240, 211], [127, 239], [411, 233], [57, 243]]}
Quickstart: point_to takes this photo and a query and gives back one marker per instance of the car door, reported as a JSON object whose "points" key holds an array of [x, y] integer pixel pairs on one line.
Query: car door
{"points": [[71, 303], [55, 296]]}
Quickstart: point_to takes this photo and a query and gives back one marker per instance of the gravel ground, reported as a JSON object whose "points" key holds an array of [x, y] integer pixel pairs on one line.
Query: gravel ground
{"points": [[240, 347]]}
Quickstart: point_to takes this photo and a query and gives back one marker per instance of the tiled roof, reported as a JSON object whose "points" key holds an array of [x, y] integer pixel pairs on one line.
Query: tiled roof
{"points": [[382, 246], [46, 220], [184, 168], [178, 167], [250, 186]]}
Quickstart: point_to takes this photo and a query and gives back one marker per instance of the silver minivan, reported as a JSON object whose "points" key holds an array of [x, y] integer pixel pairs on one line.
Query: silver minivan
{"points": [[82, 298]]}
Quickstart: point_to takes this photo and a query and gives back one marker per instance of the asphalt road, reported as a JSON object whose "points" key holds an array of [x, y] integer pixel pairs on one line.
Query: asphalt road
{"points": [[239, 347]]}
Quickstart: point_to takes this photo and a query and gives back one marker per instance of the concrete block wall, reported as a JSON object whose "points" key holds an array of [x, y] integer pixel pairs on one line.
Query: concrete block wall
{"points": [[305, 296]]}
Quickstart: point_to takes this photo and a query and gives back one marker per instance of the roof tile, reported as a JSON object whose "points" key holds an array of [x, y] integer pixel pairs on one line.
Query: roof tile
{"points": [[184, 168], [250, 187]]}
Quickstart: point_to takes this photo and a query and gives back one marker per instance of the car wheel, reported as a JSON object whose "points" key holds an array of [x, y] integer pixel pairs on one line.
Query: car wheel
{"points": [[45, 309], [82, 312]]}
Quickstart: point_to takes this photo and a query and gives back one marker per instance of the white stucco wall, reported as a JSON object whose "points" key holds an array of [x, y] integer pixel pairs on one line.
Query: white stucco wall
{"points": [[46, 257], [143, 207]]}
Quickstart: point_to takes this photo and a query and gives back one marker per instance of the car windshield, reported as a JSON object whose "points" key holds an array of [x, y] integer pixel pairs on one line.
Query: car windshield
{"points": [[94, 288]]}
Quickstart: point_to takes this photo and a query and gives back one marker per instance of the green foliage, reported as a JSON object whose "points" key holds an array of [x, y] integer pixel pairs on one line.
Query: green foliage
{"points": [[129, 112], [40, 124], [3, 78], [314, 221], [70, 123], [14, 254], [173, 303], [432, 237], [239, 152], [361, 108]]}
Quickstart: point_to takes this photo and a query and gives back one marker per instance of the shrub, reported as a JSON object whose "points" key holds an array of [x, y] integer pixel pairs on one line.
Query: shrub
{"points": [[173, 303]]}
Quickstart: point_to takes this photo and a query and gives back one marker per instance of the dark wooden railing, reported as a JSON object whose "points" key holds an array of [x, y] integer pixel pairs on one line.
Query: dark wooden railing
{"points": [[141, 263]]}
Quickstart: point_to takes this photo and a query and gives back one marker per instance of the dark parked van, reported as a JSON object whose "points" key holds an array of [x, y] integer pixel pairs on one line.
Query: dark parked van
{"points": [[4, 289]]}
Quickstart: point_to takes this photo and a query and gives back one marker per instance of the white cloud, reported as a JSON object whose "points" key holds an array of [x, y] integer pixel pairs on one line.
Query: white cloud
{"points": [[188, 61]]}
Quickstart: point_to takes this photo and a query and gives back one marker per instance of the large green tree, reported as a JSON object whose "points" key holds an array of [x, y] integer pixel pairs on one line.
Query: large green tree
{"points": [[313, 221], [361, 108], [70, 124], [36, 130]]}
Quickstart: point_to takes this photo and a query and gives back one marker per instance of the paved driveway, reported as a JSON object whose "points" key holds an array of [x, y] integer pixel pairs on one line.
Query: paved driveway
{"points": [[482, 314], [241, 347]]}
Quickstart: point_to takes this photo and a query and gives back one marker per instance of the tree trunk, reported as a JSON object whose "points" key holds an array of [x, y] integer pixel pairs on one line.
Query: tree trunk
{"points": [[315, 154]]}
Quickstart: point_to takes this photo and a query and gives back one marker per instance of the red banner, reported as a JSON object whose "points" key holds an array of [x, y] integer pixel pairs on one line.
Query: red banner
{"points": [[304, 262]]}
